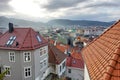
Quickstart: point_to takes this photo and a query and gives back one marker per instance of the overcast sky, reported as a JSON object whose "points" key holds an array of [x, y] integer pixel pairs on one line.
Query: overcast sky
{"points": [[44, 10]]}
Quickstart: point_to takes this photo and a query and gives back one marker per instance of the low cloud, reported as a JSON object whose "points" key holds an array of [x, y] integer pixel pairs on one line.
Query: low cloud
{"points": [[58, 4], [4, 6], [103, 4]]}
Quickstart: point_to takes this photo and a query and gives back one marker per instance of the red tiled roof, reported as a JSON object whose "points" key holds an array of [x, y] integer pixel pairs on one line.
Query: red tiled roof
{"points": [[75, 60], [62, 47], [26, 37], [55, 55], [102, 56]]}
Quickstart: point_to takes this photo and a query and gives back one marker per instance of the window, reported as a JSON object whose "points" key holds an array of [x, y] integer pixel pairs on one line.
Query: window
{"points": [[12, 56], [63, 65], [8, 73], [11, 40], [0, 70], [43, 63], [69, 70], [27, 56], [38, 38], [60, 68], [43, 51], [27, 72]]}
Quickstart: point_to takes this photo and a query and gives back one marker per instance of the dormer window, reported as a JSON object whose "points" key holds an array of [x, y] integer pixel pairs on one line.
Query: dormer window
{"points": [[11, 40], [38, 38]]}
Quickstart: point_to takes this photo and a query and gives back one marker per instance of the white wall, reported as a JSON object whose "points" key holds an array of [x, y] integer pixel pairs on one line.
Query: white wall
{"points": [[40, 72], [58, 68], [76, 73], [86, 74]]}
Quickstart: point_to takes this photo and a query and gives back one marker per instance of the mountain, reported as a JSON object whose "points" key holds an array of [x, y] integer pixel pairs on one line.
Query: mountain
{"points": [[59, 22], [66, 22], [19, 22]]}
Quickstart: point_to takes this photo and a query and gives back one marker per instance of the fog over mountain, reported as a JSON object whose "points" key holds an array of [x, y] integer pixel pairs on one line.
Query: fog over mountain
{"points": [[19, 22], [63, 22]]}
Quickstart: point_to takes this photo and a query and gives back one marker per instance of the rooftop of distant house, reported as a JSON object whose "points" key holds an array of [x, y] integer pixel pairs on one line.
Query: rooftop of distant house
{"points": [[75, 59], [55, 55]]}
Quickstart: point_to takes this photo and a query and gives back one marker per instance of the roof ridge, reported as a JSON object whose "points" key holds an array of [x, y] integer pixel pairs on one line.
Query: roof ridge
{"points": [[31, 38], [112, 63], [25, 37], [53, 52], [102, 34]]}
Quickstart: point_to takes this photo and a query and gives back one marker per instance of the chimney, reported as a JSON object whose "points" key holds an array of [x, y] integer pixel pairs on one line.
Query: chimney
{"points": [[55, 43], [11, 29]]}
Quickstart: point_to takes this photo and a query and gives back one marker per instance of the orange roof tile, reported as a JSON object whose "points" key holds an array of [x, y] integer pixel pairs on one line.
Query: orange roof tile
{"points": [[76, 53], [62, 47], [102, 56]]}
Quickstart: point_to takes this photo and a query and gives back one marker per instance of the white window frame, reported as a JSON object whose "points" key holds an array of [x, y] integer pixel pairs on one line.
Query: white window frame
{"points": [[9, 70], [24, 56], [12, 56], [43, 48], [42, 62], [27, 72]]}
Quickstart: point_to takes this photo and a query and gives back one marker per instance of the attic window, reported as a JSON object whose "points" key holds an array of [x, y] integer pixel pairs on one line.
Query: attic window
{"points": [[11, 40], [38, 38]]}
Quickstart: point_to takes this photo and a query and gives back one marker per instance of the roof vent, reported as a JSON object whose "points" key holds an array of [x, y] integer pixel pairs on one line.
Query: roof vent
{"points": [[17, 44], [11, 29]]}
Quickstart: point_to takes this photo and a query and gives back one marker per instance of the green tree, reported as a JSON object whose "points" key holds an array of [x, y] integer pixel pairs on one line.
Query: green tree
{"points": [[2, 75]]}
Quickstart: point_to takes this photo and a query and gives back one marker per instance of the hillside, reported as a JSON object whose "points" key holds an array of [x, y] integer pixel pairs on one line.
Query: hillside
{"points": [[19, 22], [66, 22]]}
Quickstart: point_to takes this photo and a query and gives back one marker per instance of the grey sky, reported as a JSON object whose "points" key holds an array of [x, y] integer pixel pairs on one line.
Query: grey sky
{"points": [[44, 10], [58, 4]]}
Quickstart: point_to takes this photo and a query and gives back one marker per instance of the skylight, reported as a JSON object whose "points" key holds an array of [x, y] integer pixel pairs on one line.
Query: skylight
{"points": [[38, 38], [11, 40]]}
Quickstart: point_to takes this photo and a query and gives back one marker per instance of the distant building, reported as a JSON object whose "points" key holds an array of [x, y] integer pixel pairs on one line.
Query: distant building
{"points": [[25, 53], [75, 65], [94, 31], [102, 56]]}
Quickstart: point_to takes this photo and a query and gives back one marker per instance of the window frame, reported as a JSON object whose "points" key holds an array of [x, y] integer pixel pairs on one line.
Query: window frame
{"points": [[43, 63], [12, 56], [63, 65], [42, 50], [69, 70], [27, 72], [60, 68], [0, 70], [8, 71], [38, 38], [11, 40], [27, 56]]}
